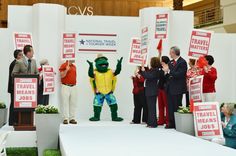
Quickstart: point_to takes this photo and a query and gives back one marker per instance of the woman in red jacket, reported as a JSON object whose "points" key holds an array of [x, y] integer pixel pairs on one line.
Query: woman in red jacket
{"points": [[139, 98], [210, 76]]}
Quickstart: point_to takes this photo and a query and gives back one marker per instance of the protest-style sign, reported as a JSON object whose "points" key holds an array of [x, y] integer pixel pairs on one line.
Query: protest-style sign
{"points": [[196, 88], [207, 120], [135, 55], [68, 46], [25, 92], [199, 43], [161, 26], [21, 39], [48, 80]]}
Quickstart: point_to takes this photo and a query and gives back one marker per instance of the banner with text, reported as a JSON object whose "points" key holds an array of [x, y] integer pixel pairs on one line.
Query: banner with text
{"points": [[144, 44], [161, 26], [25, 92], [199, 43], [69, 46], [207, 120], [21, 39], [48, 80], [97, 43], [195, 88], [135, 56]]}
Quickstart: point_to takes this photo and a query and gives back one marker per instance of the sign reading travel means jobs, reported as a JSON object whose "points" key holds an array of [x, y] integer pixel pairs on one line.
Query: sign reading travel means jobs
{"points": [[97, 43], [207, 120], [135, 55], [25, 92]]}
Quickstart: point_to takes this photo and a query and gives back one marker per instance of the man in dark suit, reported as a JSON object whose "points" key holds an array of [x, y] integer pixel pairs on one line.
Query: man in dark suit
{"points": [[12, 115], [176, 83], [26, 65]]}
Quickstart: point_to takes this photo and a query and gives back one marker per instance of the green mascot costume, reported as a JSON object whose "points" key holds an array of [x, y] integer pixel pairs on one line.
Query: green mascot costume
{"points": [[103, 81]]}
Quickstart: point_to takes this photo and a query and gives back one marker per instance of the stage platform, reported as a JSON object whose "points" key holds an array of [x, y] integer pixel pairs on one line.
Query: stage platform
{"points": [[106, 138]]}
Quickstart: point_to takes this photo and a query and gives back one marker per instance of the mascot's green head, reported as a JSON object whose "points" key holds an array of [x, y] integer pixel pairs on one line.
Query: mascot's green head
{"points": [[101, 64]]}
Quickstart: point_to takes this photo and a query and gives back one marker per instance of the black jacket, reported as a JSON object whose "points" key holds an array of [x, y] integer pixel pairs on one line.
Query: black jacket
{"points": [[152, 77], [176, 78], [10, 78]]}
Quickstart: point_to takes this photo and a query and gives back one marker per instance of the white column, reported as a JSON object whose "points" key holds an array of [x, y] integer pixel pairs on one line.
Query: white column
{"points": [[48, 25]]}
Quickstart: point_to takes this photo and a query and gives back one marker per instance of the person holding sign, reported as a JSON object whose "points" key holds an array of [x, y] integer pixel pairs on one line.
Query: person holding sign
{"points": [[210, 76], [152, 77], [68, 92], [139, 98], [228, 122], [12, 114], [26, 65], [42, 99], [192, 72], [176, 83]]}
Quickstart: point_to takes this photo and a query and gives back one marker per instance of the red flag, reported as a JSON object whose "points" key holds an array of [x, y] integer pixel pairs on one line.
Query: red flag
{"points": [[191, 105], [159, 46], [201, 62]]}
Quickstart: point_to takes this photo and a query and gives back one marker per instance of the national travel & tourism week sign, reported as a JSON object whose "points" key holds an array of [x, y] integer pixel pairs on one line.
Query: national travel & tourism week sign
{"points": [[97, 42]]}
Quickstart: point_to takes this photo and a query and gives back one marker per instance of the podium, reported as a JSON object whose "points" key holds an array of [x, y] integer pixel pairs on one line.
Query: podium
{"points": [[25, 100]]}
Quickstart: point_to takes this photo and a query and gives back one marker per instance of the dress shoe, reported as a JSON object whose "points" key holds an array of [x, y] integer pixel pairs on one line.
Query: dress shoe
{"points": [[65, 122], [134, 122], [73, 121], [169, 127], [152, 126]]}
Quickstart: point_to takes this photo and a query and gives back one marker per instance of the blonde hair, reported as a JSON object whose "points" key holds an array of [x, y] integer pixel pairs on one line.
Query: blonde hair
{"points": [[43, 62], [230, 107]]}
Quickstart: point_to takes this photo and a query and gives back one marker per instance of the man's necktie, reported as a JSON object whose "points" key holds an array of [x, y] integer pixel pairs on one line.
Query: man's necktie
{"points": [[29, 66], [174, 62]]}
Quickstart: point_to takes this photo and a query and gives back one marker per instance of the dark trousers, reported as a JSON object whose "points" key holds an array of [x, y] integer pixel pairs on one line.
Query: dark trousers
{"points": [[187, 99], [174, 101], [13, 115], [152, 112], [43, 99], [139, 105]]}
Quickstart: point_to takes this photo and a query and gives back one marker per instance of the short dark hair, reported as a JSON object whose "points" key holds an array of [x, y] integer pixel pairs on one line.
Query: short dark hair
{"points": [[210, 59], [27, 48], [192, 61], [16, 52], [165, 59], [155, 62], [176, 50]]}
